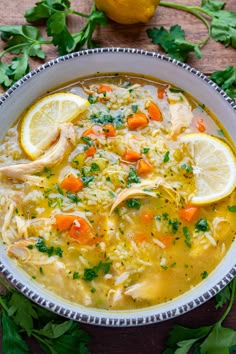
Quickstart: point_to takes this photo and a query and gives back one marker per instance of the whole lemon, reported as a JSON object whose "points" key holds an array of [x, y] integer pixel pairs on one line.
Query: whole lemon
{"points": [[128, 11]]}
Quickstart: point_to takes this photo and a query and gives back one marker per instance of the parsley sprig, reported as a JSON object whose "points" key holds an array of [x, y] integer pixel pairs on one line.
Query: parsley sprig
{"points": [[26, 41], [20, 318], [208, 339], [220, 23]]}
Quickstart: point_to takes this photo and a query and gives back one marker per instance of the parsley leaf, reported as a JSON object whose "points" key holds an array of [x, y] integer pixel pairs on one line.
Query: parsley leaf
{"points": [[187, 236], [54, 334], [202, 225], [173, 42], [133, 203], [132, 176], [42, 247], [92, 273], [207, 339], [232, 208], [102, 118], [11, 340], [226, 79]]}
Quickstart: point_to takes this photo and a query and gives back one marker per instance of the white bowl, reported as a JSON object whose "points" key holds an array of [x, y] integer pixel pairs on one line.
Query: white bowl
{"points": [[90, 62]]}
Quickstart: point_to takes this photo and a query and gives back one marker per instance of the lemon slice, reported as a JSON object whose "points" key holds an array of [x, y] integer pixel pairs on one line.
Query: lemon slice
{"points": [[214, 167], [40, 125]]}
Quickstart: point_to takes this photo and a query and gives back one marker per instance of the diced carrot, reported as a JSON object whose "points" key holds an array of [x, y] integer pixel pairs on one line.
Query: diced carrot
{"points": [[166, 240], [82, 232], [104, 88], [189, 212], [72, 183], [139, 238], [109, 130], [64, 222], [161, 93], [89, 131], [201, 125], [143, 167], [154, 112], [90, 151], [137, 120], [132, 156], [147, 217]]}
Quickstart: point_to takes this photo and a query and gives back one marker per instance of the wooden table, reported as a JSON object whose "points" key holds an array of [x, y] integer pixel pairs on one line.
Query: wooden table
{"points": [[150, 339]]}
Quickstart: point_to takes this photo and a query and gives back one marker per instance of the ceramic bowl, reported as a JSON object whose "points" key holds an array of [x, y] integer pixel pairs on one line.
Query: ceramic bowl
{"points": [[90, 62]]}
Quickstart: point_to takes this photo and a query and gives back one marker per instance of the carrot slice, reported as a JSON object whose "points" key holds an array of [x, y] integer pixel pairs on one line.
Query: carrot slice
{"points": [[137, 120], [161, 93], [201, 125], [154, 112], [166, 240], [139, 238], [72, 183], [64, 222], [189, 212], [143, 167], [82, 233], [89, 131], [109, 130], [90, 151], [132, 156], [147, 217], [104, 88]]}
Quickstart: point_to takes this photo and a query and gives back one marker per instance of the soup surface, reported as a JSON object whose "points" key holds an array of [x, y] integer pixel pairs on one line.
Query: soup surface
{"points": [[110, 224]]}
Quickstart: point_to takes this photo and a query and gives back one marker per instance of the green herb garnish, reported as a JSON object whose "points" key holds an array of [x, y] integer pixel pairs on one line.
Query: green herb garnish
{"points": [[202, 225], [133, 203]]}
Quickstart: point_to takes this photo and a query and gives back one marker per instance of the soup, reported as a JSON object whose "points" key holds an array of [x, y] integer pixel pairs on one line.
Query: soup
{"points": [[106, 217]]}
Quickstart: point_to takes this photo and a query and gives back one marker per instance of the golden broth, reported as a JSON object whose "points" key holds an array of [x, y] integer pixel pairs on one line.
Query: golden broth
{"points": [[141, 252]]}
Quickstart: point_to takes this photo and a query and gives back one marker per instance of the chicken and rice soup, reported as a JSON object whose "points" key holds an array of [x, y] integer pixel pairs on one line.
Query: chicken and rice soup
{"points": [[104, 216]]}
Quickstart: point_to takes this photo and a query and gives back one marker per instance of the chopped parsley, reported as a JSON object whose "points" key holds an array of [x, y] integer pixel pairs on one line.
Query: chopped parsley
{"points": [[133, 203], [145, 150], [186, 167], [92, 99], [87, 140], [204, 274], [76, 275], [132, 176], [101, 118], [187, 236], [41, 271], [92, 273], [175, 90], [48, 172], [166, 157], [73, 196], [94, 167], [87, 179], [164, 267], [42, 247], [202, 225], [232, 208], [174, 225], [58, 188], [134, 108]]}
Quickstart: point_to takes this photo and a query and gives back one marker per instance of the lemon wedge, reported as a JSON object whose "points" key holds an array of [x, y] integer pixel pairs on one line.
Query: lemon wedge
{"points": [[41, 123], [214, 167]]}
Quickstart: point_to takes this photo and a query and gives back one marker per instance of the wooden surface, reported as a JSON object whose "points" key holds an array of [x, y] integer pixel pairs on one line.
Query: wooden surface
{"points": [[148, 339]]}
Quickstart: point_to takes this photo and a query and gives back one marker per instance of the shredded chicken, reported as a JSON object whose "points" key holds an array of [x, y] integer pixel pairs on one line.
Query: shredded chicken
{"points": [[144, 188], [146, 289], [20, 250], [180, 112], [7, 221], [53, 156]]}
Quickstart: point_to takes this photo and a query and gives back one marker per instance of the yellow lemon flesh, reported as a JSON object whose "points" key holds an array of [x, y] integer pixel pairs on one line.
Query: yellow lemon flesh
{"points": [[214, 167], [41, 123], [128, 11]]}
